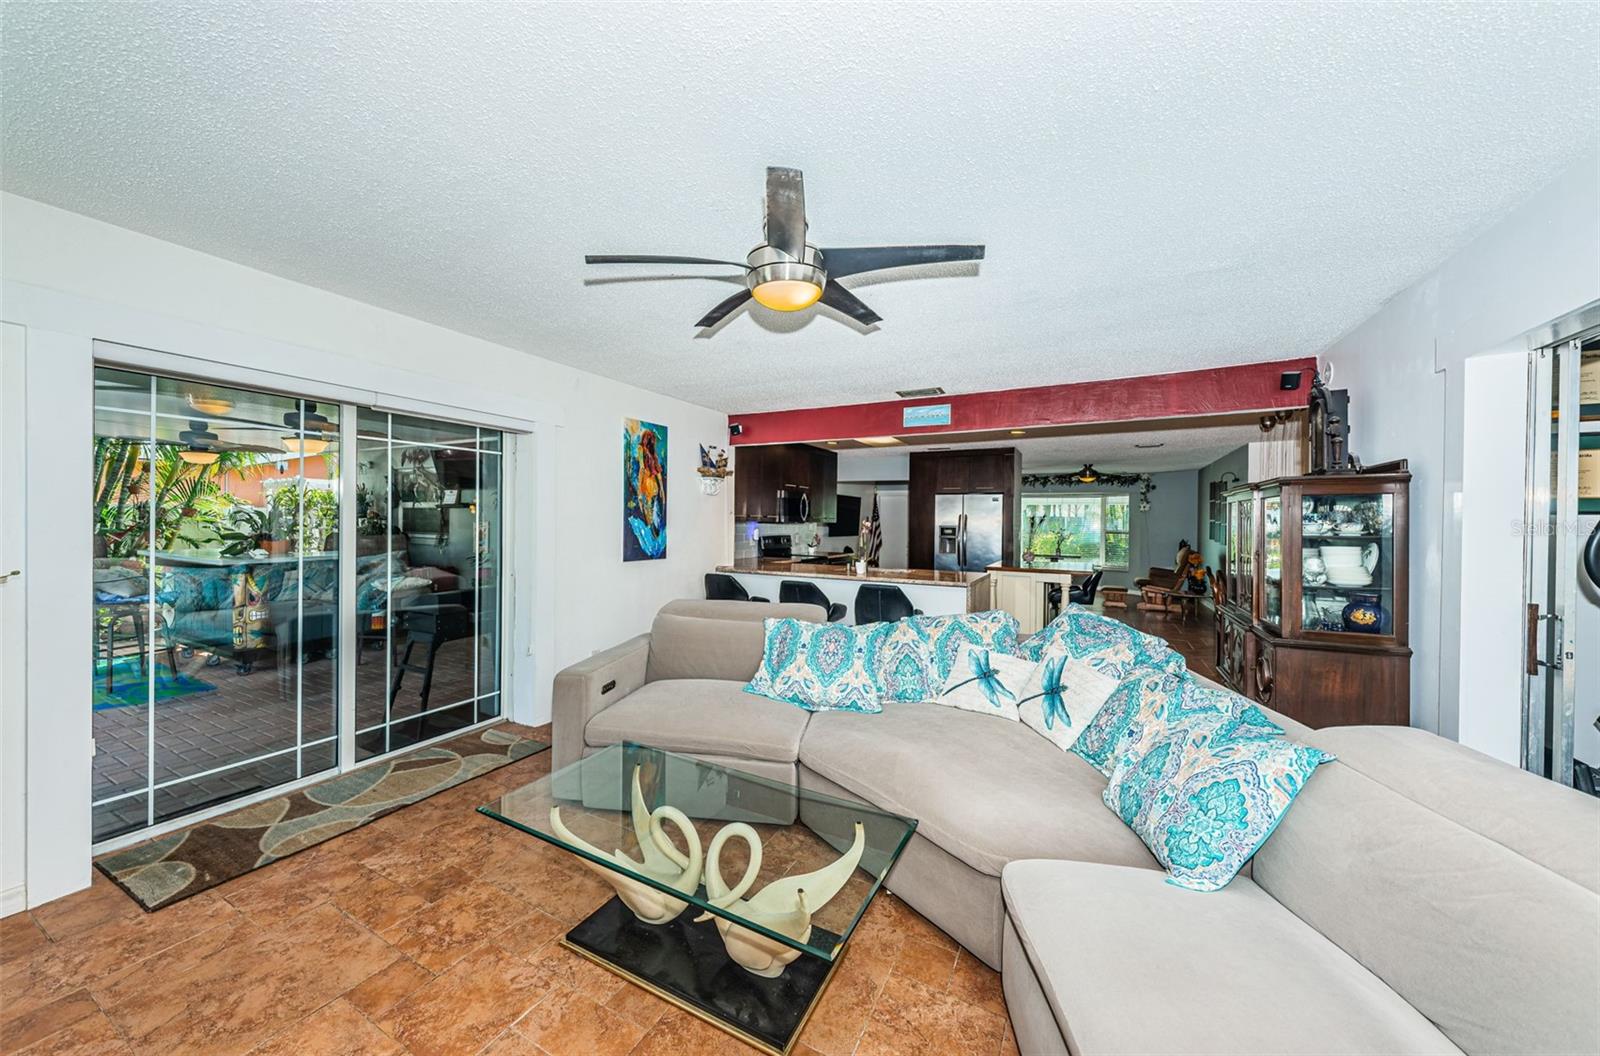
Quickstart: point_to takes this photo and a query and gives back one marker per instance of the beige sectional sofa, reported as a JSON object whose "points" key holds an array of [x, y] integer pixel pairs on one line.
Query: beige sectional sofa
{"points": [[1418, 897]]}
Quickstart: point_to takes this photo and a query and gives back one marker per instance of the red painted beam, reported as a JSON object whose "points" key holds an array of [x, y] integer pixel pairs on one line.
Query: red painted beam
{"points": [[1186, 394]]}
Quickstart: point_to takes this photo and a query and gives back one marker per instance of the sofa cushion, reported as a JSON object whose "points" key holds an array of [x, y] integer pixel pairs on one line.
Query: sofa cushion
{"points": [[1461, 905], [987, 792], [701, 716], [715, 639], [1131, 964]]}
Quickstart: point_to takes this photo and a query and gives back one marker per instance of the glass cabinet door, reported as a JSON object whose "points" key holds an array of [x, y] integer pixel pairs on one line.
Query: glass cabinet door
{"points": [[1272, 559], [1241, 550], [1348, 560]]}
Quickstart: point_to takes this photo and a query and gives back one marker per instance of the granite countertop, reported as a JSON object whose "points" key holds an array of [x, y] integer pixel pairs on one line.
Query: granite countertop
{"points": [[773, 566], [1045, 564]]}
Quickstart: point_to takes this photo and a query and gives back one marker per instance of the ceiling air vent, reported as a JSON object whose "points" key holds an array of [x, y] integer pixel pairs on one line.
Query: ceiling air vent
{"points": [[917, 394]]}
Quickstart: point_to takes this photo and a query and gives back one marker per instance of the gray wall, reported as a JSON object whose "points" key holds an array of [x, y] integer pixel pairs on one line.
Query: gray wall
{"points": [[1154, 534], [1235, 462]]}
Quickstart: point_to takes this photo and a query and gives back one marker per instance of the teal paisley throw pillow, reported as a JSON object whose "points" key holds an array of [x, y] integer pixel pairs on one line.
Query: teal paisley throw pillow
{"points": [[993, 630], [816, 666], [1224, 801], [1101, 642], [1163, 734], [899, 659], [1142, 688]]}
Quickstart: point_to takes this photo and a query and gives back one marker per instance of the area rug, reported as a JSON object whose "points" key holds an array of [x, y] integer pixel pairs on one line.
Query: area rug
{"points": [[129, 690], [173, 867]]}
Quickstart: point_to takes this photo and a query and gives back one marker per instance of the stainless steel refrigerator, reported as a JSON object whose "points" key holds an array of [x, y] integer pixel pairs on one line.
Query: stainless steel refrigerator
{"points": [[967, 530]]}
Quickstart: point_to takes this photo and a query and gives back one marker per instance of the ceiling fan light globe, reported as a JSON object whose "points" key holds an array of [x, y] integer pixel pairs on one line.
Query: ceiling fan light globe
{"points": [[787, 295], [305, 446], [198, 456]]}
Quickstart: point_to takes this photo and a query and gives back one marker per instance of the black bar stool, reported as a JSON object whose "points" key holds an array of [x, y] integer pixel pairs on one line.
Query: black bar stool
{"points": [[806, 593], [721, 587], [883, 603]]}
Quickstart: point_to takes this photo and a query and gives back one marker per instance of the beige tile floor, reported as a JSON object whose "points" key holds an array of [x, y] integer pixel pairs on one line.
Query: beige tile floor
{"points": [[431, 931]]}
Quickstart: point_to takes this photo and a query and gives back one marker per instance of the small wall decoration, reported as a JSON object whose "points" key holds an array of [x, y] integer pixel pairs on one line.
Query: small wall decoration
{"points": [[713, 469], [644, 490]]}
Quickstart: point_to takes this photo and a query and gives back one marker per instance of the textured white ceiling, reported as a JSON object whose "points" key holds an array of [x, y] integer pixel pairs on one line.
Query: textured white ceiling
{"points": [[1181, 448], [1162, 185]]}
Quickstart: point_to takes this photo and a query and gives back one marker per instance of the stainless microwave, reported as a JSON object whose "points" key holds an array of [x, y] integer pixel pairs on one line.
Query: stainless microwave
{"points": [[794, 504]]}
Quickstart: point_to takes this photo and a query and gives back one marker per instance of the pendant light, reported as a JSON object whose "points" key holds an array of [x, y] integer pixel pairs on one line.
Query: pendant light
{"points": [[1087, 475], [208, 402], [309, 436], [200, 445]]}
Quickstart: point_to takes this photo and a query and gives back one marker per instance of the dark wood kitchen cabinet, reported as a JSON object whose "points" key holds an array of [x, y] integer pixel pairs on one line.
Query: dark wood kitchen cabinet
{"points": [[995, 471], [761, 472]]}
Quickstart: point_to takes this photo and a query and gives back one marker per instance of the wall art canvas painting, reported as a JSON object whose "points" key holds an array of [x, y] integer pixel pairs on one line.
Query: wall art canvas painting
{"points": [[644, 490]]}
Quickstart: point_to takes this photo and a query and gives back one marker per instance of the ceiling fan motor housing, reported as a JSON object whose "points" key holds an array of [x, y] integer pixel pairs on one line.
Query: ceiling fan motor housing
{"points": [[768, 263]]}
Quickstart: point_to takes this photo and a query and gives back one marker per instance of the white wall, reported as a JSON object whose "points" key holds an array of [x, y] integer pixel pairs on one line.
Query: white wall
{"points": [[1492, 496], [71, 279], [1404, 368], [893, 520]]}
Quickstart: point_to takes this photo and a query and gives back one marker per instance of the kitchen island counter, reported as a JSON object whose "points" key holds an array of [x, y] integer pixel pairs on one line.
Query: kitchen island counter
{"points": [[936, 593]]}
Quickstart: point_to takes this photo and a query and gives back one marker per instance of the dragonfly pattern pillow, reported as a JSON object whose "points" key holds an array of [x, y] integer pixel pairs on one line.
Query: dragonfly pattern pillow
{"points": [[1062, 697], [986, 681]]}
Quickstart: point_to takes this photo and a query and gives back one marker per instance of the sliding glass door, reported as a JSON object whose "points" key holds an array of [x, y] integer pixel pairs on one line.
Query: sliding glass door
{"points": [[215, 595], [217, 649], [428, 542]]}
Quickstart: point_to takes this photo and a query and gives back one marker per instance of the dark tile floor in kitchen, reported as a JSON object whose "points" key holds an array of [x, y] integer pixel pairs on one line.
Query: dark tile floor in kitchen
{"points": [[431, 931]]}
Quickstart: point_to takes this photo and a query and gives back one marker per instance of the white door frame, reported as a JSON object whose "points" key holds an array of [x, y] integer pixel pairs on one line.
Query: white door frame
{"points": [[13, 621], [1550, 561]]}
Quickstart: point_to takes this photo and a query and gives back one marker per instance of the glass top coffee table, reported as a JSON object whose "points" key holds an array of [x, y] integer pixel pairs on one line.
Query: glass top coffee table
{"points": [[735, 894]]}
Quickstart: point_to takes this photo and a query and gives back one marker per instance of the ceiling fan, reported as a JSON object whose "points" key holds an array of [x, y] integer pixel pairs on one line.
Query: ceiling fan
{"points": [[786, 273]]}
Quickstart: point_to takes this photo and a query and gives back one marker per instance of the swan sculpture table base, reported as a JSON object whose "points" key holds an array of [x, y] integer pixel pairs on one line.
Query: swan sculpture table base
{"points": [[747, 950], [671, 961]]}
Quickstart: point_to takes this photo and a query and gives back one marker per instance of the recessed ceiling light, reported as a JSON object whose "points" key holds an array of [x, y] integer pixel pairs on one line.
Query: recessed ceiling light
{"points": [[1146, 447], [1019, 432], [833, 443], [917, 394], [878, 441]]}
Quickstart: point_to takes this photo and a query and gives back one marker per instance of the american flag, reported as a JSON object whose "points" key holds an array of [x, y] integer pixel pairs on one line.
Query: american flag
{"points": [[874, 534]]}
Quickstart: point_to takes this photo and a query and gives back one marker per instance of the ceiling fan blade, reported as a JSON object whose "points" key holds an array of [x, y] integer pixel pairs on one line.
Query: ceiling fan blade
{"points": [[842, 300], [637, 258], [723, 310], [855, 260], [786, 211]]}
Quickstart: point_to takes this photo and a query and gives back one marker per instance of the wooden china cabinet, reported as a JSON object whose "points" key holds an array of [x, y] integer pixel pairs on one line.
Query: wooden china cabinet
{"points": [[1314, 615]]}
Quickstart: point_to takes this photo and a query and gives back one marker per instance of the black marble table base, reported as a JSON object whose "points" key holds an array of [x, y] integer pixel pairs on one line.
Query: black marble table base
{"points": [[687, 964]]}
